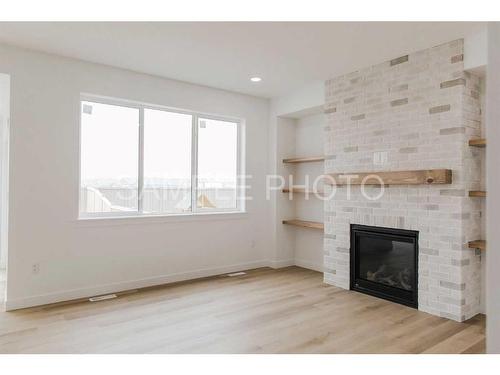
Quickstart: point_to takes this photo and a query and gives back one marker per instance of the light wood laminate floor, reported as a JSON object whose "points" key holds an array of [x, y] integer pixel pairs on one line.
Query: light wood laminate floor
{"points": [[289, 310]]}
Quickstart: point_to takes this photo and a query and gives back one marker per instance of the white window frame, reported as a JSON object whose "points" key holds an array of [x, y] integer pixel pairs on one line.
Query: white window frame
{"points": [[240, 186]]}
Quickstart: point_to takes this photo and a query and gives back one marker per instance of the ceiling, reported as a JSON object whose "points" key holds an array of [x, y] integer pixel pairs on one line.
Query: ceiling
{"points": [[225, 55]]}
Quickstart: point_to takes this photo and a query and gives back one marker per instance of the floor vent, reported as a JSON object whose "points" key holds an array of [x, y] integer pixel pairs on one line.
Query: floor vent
{"points": [[236, 274], [102, 298]]}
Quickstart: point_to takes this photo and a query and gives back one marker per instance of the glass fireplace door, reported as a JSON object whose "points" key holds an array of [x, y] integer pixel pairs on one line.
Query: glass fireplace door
{"points": [[384, 263]]}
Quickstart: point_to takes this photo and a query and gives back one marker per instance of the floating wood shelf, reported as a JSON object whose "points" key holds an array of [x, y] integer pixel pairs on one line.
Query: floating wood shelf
{"points": [[419, 177], [304, 224], [478, 142], [478, 244], [477, 193], [304, 160], [301, 190]]}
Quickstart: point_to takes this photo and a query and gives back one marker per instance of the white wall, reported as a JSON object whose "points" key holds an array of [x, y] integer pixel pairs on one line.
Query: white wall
{"points": [[300, 102], [309, 142], [285, 114], [476, 52], [4, 121], [82, 258], [493, 188], [284, 235], [303, 247]]}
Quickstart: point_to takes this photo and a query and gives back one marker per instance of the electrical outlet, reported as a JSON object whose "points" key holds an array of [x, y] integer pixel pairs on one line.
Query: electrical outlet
{"points": [[35, 268]]}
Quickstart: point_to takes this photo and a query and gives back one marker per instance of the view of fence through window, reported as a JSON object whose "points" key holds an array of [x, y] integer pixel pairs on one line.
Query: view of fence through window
{"points": [[112, 168], [217, 163], [109, 158], [167, 162]]}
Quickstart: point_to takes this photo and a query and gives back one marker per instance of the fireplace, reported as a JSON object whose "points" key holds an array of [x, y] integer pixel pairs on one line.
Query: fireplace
{"points": [[384, 263]]}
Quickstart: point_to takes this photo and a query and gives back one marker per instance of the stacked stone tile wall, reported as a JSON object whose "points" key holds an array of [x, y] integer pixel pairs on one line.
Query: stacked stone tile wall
{"points": [[413, 112]]}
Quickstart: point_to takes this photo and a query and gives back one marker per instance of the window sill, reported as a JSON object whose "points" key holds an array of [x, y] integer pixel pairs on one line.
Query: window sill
{"points": [[159, 219]]}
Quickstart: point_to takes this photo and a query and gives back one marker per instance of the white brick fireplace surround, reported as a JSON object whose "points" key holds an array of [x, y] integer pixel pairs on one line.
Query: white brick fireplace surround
{"points": [[414, 112]]}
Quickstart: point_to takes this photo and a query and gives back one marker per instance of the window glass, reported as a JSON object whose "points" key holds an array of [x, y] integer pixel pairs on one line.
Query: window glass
{"points": [[167, 162], [217, 164], [109, 158], [139, 160]]}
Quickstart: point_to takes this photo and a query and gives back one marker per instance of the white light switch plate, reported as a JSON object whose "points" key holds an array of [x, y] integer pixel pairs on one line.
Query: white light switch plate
{"points": [[380, 158]]}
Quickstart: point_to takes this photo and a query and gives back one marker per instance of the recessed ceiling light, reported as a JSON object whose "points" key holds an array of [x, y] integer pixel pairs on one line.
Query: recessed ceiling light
{"points": [[255, 79]]}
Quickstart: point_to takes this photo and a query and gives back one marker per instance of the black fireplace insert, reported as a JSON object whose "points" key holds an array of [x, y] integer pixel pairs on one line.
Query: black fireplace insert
{"points": [[384, 263]]}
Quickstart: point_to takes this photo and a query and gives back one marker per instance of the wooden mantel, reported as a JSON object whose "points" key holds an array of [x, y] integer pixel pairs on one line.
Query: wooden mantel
{"points": [[418, 177]]}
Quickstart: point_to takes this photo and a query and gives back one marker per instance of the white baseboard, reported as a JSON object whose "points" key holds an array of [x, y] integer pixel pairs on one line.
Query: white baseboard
{"points": [[68, 295], [281, 263], [309, 265], [296, 262]]}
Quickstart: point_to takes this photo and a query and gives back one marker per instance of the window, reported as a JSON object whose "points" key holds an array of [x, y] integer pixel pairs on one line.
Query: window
{"points": [[167, 162], [109, 158], [139, 160], [217, 163]]}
